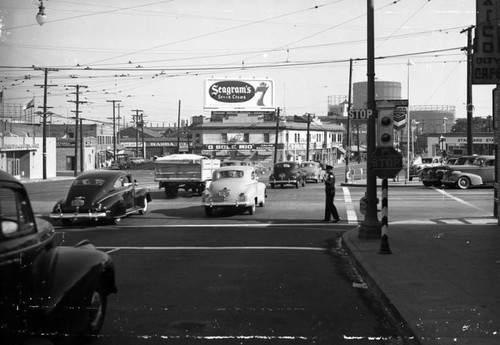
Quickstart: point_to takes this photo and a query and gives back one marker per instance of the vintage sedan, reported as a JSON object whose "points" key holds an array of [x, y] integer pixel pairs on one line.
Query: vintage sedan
{"points": [[234, 187], [102, 195], [47, 288], [285, 173], [480, 172], [312, 171], [431, 176]]}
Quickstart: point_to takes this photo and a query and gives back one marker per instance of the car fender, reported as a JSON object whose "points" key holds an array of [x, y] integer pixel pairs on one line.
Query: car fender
{"points": [[474, 179], [143, 192], [68, 273]]}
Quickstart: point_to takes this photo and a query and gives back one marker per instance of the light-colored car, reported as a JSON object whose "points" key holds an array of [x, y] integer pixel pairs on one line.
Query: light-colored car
{"points": [[480, 172], [312, 171], [235, 187]]}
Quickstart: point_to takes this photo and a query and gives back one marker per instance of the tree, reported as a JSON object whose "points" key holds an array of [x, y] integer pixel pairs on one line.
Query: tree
{"points": [[479, 125]]}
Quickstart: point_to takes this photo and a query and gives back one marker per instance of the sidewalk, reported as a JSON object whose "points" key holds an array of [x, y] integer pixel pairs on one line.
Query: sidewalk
{"points": [[443, 280]]}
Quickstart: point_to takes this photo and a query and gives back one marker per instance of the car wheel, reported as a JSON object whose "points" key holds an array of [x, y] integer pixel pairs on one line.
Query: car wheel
{"points": [[427, 184], [96, 310], [272, 185], [144, 208], [463, 183], [209, 211], [410, 178], [67, 221], [261, 204], [251, 209], [117, 221], [437, 184]]}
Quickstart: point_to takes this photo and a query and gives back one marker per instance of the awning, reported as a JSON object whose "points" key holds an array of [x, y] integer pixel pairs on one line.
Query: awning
{"points": [[341, 149]]}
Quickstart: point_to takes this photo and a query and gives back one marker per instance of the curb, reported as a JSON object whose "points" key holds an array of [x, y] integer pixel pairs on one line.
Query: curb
{"points": [[406, 333]]}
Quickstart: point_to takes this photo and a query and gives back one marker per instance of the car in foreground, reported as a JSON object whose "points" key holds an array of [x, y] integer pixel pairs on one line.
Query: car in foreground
{"points": [[47, 288], [480, 172], [287, 173], [234, 187], [312, 171], [102, 195], [431, 176]]}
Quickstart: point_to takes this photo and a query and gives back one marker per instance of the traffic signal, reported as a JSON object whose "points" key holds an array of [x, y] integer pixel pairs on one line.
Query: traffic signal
{"points": [[385, 128]]}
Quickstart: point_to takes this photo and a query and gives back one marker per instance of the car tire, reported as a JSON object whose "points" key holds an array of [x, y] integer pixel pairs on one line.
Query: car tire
{"points": [[410, 178], [272, 185], [144, 207], [427, 184], [116, 220], [251, 209], [96, 311], [263, 201], [209, 211], [463, 182]]}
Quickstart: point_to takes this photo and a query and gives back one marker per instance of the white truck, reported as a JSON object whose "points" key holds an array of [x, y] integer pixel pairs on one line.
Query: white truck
{"points": [[187, 171]]}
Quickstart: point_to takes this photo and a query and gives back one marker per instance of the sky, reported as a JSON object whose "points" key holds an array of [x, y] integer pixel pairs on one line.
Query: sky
{"points": [[154, 56]]}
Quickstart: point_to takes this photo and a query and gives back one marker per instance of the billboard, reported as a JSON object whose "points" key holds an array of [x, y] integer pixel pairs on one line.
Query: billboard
{"points": [[486, 55], [239, 94]]}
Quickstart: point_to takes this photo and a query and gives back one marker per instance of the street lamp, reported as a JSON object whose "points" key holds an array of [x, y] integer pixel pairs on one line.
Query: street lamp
{"points": [[442, 139], [41, 18], [408, 120], [444, 124]]}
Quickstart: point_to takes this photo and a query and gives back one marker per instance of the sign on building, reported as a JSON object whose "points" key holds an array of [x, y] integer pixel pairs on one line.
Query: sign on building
{"points": [[486, 55], [239, 94]]}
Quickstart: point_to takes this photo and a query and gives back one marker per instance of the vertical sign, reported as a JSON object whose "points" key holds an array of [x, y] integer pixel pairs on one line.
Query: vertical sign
{"points": [[486, 55]]}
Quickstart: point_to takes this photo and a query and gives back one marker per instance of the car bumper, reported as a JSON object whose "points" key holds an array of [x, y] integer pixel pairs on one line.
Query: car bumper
{"points": [[227, 204], [283, 181], [79, 215]]}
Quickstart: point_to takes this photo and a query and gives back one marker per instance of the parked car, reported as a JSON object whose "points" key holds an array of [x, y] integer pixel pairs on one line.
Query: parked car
{"points": [[312, 171], [480, 172], [46, 288], [235, 187], [285, 173], [431, 176], [423, 162], [107, 195]]}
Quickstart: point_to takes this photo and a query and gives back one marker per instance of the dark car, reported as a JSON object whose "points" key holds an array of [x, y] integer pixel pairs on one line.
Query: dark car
{"points": [[46, 288], [285, 173], [107, 195], [431, 176]]}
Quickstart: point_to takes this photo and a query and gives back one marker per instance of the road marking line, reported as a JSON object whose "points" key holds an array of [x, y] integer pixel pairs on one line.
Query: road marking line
{"points": [[115, 249], [352, 218], [460, 200]]}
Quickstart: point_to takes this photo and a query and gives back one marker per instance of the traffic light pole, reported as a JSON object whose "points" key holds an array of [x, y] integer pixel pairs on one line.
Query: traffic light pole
{"points": [[370, 227]]}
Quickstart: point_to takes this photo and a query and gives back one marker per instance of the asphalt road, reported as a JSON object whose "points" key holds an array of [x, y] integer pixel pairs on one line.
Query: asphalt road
{"points": [[279, 276]]}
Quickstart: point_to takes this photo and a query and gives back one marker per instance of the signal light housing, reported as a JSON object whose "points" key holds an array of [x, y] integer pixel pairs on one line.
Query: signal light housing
{"points": [[385, 128]]}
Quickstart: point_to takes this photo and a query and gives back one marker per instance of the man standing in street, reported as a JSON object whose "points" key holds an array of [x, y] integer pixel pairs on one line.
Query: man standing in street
{"points": [[330, 209]]}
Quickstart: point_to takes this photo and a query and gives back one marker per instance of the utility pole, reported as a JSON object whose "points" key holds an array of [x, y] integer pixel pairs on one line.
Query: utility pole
{"points": [[308, 135], [44, 118], [276, 135], [119, 126], [348, 151], [370, 227], [77, 112], [142, 136], [135, 120], [179, 128], [114, 101], [470, 106]]}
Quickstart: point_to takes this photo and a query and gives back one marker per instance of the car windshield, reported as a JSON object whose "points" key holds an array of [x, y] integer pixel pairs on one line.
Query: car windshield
{"points": [[88, 182], [308, 165], [426, 160], [227, 164], [228, 174]]}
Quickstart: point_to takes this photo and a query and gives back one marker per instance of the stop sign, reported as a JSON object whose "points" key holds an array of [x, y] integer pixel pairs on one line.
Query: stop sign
{"points": [[386, 162]]}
